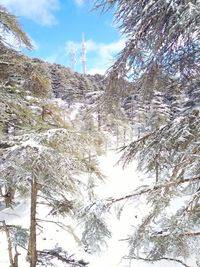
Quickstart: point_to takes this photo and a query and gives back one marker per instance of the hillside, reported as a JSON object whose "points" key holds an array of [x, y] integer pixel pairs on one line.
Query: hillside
{"points": [[66, 197], [54, 126]]}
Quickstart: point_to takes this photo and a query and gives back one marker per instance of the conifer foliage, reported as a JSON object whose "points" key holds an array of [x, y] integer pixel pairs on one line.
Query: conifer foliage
{"points": [[161, 57], [9, 24], [44, 158]]}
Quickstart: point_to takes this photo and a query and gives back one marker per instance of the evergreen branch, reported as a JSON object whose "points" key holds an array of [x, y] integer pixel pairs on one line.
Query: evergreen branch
{"points": [[57, 255], [187, 234], [130, 150], [8, 225], [190, 203], [10, 24], [67, 228], [61, 225], [149, 189], [159, 259]]}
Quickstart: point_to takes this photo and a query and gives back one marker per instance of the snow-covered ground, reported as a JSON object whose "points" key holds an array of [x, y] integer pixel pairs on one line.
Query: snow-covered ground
{"points": [[119, 182]]}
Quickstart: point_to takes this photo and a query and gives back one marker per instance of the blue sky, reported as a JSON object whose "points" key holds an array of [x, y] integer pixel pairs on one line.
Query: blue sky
{"points": [[57, 25]]}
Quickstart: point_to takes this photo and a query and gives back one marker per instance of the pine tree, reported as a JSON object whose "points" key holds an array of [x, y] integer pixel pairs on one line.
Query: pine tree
{"points": [[10, 25], [43, 154], [161, 58]]}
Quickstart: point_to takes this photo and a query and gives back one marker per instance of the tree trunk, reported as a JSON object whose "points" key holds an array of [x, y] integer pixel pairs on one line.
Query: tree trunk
{"points": [[117, 136], [9, 244], [124, 136], [99, 118], [99, 124], [9, 196], [139, 127], [16, 257], [157, 169], [32, 252], [157, 165]]}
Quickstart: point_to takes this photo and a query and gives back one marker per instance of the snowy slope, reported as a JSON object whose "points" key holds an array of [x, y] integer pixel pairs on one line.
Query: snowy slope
{"points": [[118, 183], [121, 182]]}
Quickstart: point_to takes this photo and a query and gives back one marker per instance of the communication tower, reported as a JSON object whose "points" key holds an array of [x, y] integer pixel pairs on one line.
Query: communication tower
{"points": [[72, 55], [84, 61]]}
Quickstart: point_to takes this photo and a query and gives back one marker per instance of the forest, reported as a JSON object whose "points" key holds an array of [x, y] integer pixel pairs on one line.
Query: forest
{"points": [[64, 134]]}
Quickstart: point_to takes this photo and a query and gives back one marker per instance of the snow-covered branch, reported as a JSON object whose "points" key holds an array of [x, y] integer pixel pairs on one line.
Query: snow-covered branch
{"points": [[160, 259], [155, 187]]}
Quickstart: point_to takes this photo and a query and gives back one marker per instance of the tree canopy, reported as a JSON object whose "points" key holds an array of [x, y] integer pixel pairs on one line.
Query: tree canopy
{"points": [[10, 25], [161, 58]]}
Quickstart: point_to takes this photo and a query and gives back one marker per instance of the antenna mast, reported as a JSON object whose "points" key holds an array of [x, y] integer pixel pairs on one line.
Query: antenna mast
{"points": [[83, 54], [72, 55]]}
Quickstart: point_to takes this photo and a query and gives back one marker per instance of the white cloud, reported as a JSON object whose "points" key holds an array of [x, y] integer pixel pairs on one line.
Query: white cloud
{"points": [[41, 11], [100, 55], [79, 2]]}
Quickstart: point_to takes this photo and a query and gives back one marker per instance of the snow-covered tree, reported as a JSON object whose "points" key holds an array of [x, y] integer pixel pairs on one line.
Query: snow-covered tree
{"points": [[10, 25], [43, 154], [161, 57]]}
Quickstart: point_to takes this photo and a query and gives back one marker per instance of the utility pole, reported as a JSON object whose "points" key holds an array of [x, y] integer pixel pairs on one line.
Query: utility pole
{"points": [[83, 54]]}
